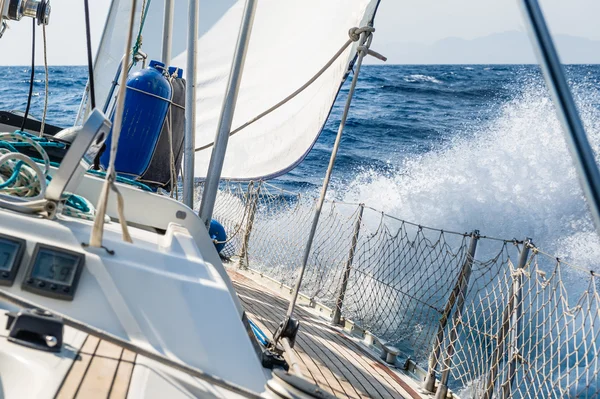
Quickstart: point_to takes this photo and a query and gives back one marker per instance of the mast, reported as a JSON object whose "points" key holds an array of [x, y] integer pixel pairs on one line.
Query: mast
{"points": [[168, 31], [217, 158], [190, 102]]}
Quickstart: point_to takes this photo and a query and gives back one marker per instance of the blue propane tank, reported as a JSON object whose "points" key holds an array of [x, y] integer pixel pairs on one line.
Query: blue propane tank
{"points": [[216, 231], [143, 119]]}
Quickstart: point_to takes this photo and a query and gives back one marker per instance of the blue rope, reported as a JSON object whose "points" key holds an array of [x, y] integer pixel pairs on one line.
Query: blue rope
{"points": [[38, 160], [260, 336], [74, 200], [8, 146], [14, 176], [31, 136], [47, 144], [42, 141], [77, 202]]}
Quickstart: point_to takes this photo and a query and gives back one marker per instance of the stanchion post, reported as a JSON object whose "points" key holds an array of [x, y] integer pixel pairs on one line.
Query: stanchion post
{"points": [[337, 313], [506, 323], [517, 321], [253, 195], [457, 295]]}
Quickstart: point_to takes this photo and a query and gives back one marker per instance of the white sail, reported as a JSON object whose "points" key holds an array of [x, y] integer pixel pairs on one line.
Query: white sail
{"points": [[111, 47], [290, 42], [113, 39]]}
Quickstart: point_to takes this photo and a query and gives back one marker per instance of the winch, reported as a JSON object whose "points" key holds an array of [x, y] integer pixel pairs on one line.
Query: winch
{"points": [[15, 10]]}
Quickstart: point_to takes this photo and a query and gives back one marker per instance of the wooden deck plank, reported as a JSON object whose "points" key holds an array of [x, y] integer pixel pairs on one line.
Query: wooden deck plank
{"points": [[340, 386], [385, 387], [78, 369], [314, 374], [128, 356], [99, 378], [101, 370], [122, 378], [90, 345], [343, 362], [326, 359], [367, 380], [111, 351]]}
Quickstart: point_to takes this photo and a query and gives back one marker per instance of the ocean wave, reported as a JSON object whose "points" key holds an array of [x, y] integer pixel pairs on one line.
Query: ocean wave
{"points": [[435, 91], [417, 78], [511, 177]]}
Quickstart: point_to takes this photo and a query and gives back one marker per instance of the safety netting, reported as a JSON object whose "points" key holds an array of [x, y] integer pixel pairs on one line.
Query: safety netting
{"points": [[487, 317]]}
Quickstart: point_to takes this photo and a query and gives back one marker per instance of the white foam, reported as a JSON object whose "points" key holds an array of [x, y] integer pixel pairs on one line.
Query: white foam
{"points": [[513, 177], [421, 78]]}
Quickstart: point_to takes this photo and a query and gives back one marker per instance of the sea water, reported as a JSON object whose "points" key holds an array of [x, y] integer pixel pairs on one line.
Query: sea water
{"points": [[459, 147]]}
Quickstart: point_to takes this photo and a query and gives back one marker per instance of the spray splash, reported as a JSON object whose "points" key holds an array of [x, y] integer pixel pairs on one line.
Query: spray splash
{"points": [[510, 178]]}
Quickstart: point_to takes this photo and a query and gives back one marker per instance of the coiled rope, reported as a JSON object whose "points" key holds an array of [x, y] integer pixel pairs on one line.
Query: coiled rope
{"points": [[23, 181]]}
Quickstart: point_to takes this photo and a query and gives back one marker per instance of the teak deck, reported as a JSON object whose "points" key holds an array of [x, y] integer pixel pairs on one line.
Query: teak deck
{"points": [[102, 370], [329, 358]]}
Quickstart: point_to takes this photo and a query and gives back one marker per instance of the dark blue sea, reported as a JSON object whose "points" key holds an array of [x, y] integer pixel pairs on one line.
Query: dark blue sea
{"points": [[456, 147]]}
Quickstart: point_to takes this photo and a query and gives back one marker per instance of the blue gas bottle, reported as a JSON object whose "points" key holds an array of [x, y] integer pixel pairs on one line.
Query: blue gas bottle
{"points": [[143, 118]]}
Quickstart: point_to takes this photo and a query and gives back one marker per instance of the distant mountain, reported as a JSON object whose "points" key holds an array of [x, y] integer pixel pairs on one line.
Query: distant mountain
{"points": [[498, 48]]}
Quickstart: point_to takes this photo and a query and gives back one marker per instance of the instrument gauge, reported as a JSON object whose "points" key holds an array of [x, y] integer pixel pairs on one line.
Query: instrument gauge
{"points": [[11, 253], [54, 272]]}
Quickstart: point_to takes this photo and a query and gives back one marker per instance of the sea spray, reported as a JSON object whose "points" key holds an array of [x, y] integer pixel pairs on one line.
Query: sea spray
{"points": [[510, 177]]}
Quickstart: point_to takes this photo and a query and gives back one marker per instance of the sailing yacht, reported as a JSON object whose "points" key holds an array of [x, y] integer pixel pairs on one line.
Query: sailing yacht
{"points": [[152, 286], [112, 288]]}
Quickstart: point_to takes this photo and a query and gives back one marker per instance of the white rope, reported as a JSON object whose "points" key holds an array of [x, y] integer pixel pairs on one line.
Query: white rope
{"points": [[36, 192], [354, 34], [155, 96], [109, 183], [29, 188], [173, 169]]}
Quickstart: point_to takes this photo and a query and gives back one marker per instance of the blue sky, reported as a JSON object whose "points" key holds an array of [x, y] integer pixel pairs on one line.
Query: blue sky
{"points": [[420, 21]]}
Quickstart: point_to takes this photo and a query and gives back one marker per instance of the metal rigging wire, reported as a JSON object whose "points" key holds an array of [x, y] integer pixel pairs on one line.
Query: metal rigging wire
{"points": [[88, 36], [31, 77]]}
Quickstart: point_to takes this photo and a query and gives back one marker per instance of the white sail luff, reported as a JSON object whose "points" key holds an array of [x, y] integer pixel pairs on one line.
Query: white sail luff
{"points": [[290, 43]]}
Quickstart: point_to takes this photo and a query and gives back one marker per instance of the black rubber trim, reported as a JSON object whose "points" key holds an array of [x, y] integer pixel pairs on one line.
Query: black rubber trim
{"points": [[14, 120]]}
